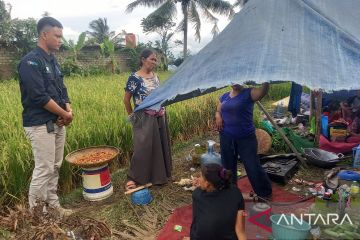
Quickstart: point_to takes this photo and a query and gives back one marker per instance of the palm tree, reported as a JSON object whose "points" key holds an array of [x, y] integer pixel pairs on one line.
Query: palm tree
{"points": [[240, 3], [189, 8], [100, 30]]}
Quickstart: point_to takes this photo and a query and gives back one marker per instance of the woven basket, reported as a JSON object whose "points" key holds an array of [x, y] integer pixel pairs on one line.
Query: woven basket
{"points": [[75, 155], [264, 141]]}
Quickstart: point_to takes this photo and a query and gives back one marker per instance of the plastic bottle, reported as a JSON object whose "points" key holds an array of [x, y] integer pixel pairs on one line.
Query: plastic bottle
{"points": [[198, 149], [211, 156], [325, 126], [278, 110], [354, 188], [356, 163]]}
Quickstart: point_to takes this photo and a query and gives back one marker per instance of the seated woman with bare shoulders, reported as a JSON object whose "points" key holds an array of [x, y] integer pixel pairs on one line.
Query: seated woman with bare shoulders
{"points": [[354, 129]]}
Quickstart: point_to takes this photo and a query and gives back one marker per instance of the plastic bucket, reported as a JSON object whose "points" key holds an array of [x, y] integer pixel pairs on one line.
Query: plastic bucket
{"points": [[286, 227], [97, 183], [141, 197]]}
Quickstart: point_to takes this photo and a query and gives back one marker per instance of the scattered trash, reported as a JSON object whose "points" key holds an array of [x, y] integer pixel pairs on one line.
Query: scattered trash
{"points": [[354, 188], [71, 235], [178, 228], [327, 196], [315, 232], [302, 182], [192, 188], [192, 169], [184, 182], [258, 236], [295, 189], [312, 191], [298, 181], [282, 121]]}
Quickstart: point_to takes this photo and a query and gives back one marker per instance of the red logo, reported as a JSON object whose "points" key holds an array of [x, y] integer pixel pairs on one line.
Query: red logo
{"points": [[262, 218]]}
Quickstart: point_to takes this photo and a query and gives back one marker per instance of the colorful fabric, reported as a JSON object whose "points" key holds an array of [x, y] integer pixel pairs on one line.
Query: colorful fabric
{"points": [[337, 147], [140, 87], [156, 113]]}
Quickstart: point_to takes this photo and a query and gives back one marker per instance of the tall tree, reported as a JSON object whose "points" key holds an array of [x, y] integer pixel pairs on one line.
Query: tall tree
{"points": [[20, 33], [162, 26], [164, 46], [24, 33], [5, 22], [189, 8], [100, 30]]}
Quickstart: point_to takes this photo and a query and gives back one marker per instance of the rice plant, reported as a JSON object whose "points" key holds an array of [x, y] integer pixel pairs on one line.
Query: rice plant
{"points": [[100, 119]]}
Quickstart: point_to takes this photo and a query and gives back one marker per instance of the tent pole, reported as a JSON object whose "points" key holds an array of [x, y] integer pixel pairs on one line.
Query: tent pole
{"points": [[318, 117], [298, 155], [311, 105]]}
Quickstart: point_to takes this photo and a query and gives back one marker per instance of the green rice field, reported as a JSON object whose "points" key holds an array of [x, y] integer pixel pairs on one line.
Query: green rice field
{"points": [[100, 119]]}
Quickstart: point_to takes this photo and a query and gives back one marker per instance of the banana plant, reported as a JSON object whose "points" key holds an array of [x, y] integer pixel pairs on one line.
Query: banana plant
{"points": [[107, 48], [75, 48]]}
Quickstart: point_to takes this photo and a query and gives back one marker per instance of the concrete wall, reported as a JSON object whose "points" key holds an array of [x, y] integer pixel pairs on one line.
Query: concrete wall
{"points": [[7, 58], [89, 56]]}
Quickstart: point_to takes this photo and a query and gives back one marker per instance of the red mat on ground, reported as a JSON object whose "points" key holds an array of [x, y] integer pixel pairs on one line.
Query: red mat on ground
{"points": [[336, 147], [183, 216]]}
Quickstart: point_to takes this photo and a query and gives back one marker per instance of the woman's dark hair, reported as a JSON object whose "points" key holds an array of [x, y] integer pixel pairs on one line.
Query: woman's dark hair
{"points": [[357, 113], [334, 105], [218, 176], [47, 22], [145, 54]]}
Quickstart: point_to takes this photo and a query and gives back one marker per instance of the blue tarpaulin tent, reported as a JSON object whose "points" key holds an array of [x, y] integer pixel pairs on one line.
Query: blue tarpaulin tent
{"points": [[311, 42]]}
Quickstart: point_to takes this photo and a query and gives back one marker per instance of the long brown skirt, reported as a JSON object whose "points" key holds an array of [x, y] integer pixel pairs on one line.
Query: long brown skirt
{"points": [[151, 161]]}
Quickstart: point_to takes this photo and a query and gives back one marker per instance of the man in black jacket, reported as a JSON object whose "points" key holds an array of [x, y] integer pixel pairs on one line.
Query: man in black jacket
{"points": [[46, 112]]}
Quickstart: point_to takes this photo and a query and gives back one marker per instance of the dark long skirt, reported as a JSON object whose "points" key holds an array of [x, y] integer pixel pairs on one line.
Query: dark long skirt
{"points": [[151, 161]]}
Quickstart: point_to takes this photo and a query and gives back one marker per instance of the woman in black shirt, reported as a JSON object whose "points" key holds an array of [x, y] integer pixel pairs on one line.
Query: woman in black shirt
{"points": [[218, 206]]}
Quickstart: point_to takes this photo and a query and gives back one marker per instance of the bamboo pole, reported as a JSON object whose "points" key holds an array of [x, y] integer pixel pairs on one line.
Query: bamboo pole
{"points": [[318, 117], [138, 188], [298, 155], [311, 105]]}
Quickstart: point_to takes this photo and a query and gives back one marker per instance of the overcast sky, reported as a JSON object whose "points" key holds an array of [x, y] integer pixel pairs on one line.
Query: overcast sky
{"points": [[75, 16]]}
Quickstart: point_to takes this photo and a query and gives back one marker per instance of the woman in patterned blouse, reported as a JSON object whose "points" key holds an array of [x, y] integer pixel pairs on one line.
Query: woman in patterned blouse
{"points": [[151, 161]]}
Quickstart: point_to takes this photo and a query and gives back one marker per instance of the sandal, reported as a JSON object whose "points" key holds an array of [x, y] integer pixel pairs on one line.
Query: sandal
{"points": [[130, 185]]}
